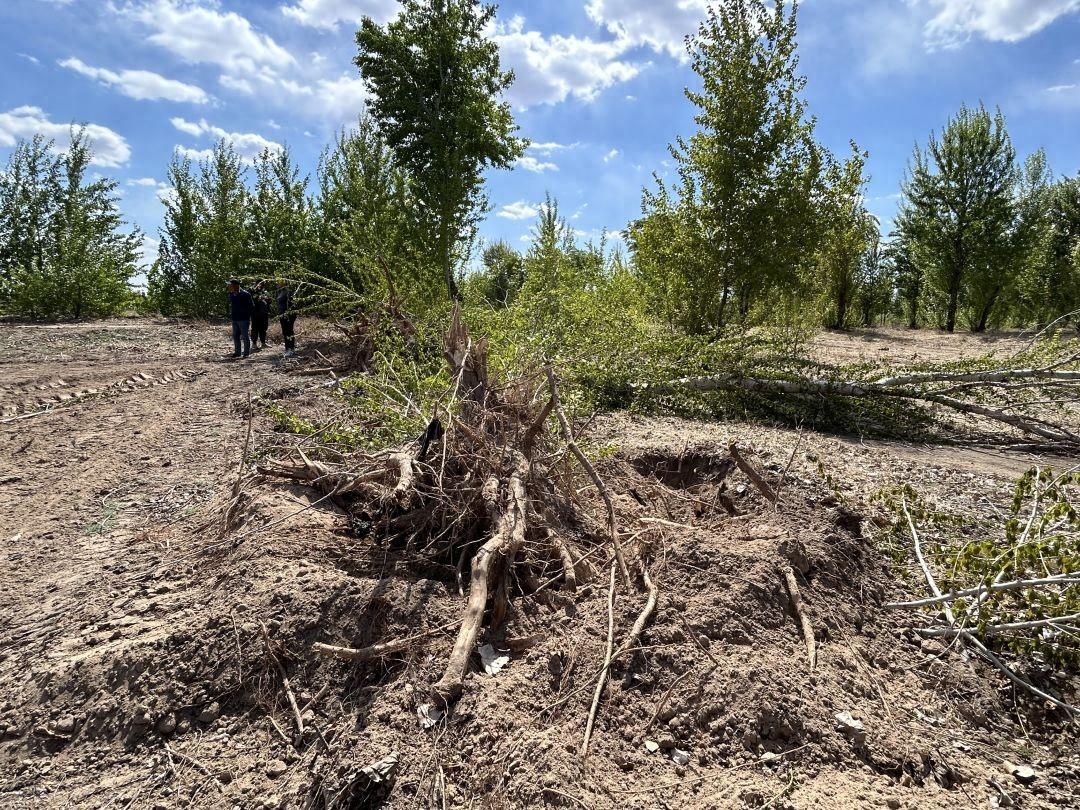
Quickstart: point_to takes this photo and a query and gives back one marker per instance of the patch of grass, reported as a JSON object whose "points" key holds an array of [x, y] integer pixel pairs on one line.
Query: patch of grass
{"points": [[110, 512]]}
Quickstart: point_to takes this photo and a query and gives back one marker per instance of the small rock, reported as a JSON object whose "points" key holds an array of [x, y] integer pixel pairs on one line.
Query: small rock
{"points": [[275, 768], [852, 728], [666, 742], [1024, 774], [210, 713], [680, 757], [892, 804], [141, 716], [167, 724], [652, 746], [64, 725]]}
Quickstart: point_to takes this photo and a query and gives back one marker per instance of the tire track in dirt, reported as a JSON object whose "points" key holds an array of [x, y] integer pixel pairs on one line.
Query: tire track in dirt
{"points": [[99, 452]]}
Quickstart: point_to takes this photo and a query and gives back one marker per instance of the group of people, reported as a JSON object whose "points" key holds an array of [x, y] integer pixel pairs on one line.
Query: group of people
{"points": [[250, 314]]}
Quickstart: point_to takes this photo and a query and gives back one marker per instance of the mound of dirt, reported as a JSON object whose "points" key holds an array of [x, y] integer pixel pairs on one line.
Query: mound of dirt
{"points": [[199, 687]]}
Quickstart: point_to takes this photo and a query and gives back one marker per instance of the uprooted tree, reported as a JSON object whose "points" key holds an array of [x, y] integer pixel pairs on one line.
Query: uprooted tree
{"points": [[486, 483]]}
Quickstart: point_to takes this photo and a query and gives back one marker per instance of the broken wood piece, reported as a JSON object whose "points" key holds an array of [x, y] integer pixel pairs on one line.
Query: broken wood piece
{"points": [[751, 472], [569, 574], [800, 614], [402, 493]]}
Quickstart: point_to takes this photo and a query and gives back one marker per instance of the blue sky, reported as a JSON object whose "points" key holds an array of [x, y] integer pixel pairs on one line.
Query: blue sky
{"points": [[599, 89]]}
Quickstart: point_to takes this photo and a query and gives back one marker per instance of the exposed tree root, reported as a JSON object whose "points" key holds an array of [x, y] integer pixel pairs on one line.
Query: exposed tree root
{"points": [[504, 544], [490, 487]]}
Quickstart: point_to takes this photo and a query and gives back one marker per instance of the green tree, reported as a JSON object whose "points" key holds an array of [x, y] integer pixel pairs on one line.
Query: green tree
{"points": [[503, 274], [1048, 285], [906, 274], [959, 212], [847, 233], [64, 250], [750, 176], [436, 84], [30, 190], [172, 278], [366, 221], [280, 224], [92, 258], [223, 247], [876, 284]]}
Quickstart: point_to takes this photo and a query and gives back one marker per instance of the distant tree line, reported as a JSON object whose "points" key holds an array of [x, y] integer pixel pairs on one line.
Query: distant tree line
{"points": [[65, 251], [763, 220], [760, 224]]}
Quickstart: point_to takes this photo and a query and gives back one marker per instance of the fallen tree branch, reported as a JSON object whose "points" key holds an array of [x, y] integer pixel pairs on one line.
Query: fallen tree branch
{"points": [[1069, 620], [967, 636], [829, 387], [1058, 579]]}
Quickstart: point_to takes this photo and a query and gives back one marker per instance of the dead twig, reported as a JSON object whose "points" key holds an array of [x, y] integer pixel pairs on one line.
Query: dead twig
{"points": [[590, 470]]}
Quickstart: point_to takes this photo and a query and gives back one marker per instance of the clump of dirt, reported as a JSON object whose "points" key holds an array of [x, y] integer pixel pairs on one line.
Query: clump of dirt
{"points": [[200, 688]]}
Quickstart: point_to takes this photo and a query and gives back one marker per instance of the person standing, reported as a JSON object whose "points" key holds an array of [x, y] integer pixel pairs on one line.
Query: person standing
{"points": [[241, 307], [260, 319], [287, 317]]}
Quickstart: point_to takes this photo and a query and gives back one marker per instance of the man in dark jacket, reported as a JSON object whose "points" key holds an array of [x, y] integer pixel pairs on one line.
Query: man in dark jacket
{"points": [[241, 308], [287, 317], [260, 319]]}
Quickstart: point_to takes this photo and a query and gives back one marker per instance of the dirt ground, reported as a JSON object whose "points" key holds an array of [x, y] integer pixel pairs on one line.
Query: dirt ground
{"points": [[148, 658]]}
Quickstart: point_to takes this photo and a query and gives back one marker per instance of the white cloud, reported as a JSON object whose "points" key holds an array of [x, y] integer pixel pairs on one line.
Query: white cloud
{"points": [[328, 13], [531, 164], [551, 69], [1063, 88], [32, 59], [141, 85], [195, 155], [548, 148], [661, 26], [142, 181], [611, 155], [956, 21], [200, 34], [247, 144], [110, 148], [344, 97], [518, 210]]}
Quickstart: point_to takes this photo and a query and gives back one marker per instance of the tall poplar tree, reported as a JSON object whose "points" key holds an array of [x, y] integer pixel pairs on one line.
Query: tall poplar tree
{"points": [[959, 210], [750, 177], [436, 86]]}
